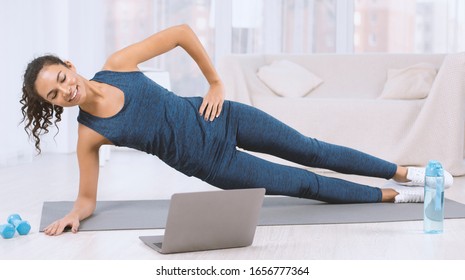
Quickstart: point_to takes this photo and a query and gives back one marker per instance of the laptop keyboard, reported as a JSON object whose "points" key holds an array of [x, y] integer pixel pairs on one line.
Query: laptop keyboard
{"points": [[158, 244]]}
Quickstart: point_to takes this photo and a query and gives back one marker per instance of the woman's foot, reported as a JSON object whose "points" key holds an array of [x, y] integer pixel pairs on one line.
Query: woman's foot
{"points": [[415, 176], [410, 195], [401, 194]]}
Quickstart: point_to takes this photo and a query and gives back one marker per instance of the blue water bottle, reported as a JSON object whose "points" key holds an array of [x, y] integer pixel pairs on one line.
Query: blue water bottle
{"points": [[433, 218]]}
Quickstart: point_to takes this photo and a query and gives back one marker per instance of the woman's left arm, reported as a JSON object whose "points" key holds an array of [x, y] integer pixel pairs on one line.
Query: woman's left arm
{"points": [[130, 57]]}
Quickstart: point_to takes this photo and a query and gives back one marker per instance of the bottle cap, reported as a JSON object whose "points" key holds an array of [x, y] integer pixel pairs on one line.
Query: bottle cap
{"points": [[434, 169]]}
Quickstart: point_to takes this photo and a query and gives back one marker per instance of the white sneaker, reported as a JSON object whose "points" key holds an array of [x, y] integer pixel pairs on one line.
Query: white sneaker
{"points": [[409, 195], [416, 175]]}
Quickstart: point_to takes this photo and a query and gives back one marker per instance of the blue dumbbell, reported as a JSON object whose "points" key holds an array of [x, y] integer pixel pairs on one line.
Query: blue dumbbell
{"points": [[7, 231], [23, 227]]}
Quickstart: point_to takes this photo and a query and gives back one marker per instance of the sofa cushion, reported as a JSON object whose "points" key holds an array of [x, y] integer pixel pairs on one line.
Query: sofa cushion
{"points": [[288, 79], [413, 82]]}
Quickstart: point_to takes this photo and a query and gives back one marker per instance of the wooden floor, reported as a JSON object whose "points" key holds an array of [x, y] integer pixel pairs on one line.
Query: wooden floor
{"points": [[134, 175]]}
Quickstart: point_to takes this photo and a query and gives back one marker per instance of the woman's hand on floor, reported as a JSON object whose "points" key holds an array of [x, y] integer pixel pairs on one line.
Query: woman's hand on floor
{"points": [[57, 227], [213, 102]]}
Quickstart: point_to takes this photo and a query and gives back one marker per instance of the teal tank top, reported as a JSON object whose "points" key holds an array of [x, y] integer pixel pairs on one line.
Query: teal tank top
{"points": [[158, 122]]}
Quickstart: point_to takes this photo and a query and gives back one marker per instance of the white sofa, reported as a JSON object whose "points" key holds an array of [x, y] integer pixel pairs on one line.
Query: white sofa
{"points": [[346, 109]]}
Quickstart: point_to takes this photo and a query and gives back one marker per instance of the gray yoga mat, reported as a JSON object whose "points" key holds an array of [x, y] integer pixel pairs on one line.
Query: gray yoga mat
{"points": [[152, 214]]}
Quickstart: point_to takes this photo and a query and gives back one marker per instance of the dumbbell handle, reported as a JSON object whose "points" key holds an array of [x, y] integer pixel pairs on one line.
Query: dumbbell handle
{"points": [[23, 227]]}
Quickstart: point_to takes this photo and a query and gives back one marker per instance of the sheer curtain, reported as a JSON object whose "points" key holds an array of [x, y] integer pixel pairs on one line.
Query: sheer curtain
{"points": [[347, 26], [29, 28], [418, 26], [283, 26]]}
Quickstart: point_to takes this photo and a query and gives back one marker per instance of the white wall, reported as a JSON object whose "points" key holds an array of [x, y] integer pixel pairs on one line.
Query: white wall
{"points": [[73, 30]]}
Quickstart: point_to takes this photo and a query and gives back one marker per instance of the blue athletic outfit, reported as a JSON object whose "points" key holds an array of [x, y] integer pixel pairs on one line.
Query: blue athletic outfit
{"points": [[158, 122]]}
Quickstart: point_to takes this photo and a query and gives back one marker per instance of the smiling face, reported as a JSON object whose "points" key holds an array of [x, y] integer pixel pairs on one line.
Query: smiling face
{"points": [[60, 85]]}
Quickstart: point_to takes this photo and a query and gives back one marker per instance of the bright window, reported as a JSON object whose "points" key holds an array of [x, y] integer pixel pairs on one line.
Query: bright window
{"points": [[289, 26], [286, 26], [409, 26]]}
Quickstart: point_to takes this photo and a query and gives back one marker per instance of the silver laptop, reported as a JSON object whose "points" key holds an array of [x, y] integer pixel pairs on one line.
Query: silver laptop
{"points": [[209, 220]]}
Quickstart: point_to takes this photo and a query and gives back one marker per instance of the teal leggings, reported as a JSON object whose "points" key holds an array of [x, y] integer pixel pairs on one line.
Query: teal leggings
{"points": [[257, 131]]}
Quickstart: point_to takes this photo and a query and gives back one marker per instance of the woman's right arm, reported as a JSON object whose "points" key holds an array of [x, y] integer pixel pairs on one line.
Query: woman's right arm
{"points": [[88, 146]]}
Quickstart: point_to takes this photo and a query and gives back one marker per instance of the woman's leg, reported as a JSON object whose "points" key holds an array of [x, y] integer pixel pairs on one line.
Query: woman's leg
{"points": [[259, 132], [240, 170]]}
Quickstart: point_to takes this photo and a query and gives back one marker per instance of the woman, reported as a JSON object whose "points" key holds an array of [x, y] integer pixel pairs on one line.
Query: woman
{"points": [[197, 136]]}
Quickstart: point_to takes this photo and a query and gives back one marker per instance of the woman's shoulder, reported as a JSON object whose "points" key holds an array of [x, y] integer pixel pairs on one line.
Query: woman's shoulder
{"points": [[114, 77], [88, 137], [117, 63]]}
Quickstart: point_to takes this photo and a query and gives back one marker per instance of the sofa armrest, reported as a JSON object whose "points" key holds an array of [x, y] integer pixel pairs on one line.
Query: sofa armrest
{"points": [[239, 74], [440, 124], [234, 81]]}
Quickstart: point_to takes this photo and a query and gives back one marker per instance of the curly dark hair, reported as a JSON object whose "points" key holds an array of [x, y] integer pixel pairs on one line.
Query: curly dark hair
{"points": [[37, 112]]}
